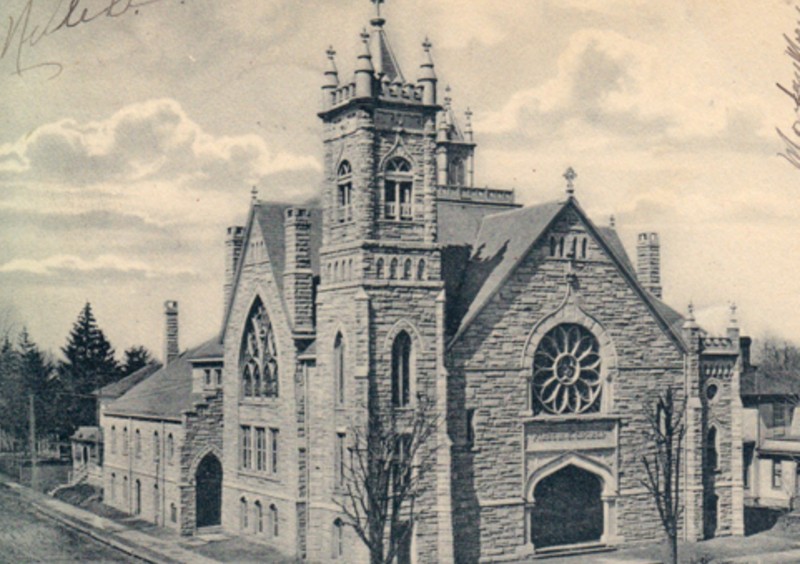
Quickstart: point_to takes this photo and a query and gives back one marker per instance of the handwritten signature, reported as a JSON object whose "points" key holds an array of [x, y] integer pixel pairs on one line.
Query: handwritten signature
{"points": [[792, 144], [22, 35]]}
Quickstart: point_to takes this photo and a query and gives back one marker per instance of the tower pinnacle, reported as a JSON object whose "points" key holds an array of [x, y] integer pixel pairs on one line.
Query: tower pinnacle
{"points": [[570, 175]]}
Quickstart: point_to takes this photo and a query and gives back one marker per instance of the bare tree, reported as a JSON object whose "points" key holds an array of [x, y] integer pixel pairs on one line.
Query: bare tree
{"points": [[663, 467], [384, 476]]}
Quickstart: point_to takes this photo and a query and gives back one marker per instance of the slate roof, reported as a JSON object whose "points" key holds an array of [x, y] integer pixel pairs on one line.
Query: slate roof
{"points": [[502, 241], [212, 349], [760, 382], [116, 389], [459, 222], [167, 394]]}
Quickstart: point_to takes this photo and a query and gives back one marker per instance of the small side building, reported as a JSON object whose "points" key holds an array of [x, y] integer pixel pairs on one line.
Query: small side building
{"points": [[164, 440], [771, 428]]}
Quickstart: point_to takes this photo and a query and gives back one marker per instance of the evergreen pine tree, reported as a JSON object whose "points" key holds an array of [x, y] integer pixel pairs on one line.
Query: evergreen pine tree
{"points": [[36, 371], [136, 358], [89, 365]]}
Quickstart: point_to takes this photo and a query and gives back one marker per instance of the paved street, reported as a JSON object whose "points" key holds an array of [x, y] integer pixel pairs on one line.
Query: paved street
{"points": [[25, 536]]}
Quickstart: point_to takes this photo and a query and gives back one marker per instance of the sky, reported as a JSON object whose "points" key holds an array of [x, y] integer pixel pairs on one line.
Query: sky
{"points": [[131, 139]]}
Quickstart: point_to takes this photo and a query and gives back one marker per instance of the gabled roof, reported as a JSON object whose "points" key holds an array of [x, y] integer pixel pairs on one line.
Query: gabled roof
{"points": [[269, 217], [459, 222], [759, 381], [502, 242], [116, 389], [211, 350], [506, 238], [167, 394]]}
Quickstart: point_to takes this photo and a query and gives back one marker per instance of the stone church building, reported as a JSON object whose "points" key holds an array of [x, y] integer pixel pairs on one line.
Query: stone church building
{"points": [[529, 328]]}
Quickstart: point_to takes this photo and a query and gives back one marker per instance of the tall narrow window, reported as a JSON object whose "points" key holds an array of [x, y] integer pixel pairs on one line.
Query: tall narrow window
{"points": [[379, 268], [258, 514], [421, 269], [125, 441], [261, 449], [455, 172], [273, 521], [393, 269], [207, 377], [712, 458], [344, 195], [170, 448], [470, 428], [156, 503], [246, 447], [273, 433], [777, 473], [337, 546], [778, 419], [173, 512], [156, 447], [401, 463], [401, 370], [583, 247], [137, 444], [113, 439], [258, 358], [407, 267], [339, 459], [552, 246], [338, 367], [113, 486], [243, 514], [398, 190]]}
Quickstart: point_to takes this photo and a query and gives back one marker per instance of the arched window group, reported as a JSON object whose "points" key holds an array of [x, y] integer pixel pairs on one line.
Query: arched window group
{"points": [[576, 247], [398, 190], [344, 193], [401, 268], [338, 367], [258, 358], [402, 359], [255, 523]]}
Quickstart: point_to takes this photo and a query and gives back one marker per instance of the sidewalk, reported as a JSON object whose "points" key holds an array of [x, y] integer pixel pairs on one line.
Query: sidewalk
{"points": [[126, 539]]}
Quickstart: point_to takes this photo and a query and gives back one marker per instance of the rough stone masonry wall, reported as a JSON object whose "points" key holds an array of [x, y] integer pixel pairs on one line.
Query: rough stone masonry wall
{"points": [[486, 375], [368, 321], [256, 279], [202, 435]]}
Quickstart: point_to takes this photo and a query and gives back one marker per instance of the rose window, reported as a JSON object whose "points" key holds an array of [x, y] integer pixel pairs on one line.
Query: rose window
{"points": [[566, 372]]}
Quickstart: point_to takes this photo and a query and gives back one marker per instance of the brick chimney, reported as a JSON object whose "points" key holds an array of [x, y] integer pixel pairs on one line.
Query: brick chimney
{"points": [[648, 262], [171, 350], [234, 240], [298, 283]]}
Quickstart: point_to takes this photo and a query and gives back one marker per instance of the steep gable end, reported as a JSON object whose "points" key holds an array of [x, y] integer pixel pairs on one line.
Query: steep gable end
{"points": [[565, 232]]}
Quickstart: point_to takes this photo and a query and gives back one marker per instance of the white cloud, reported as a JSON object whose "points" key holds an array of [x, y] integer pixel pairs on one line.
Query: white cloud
{"points": [[61, 264], [152, 140], [625, 86]]}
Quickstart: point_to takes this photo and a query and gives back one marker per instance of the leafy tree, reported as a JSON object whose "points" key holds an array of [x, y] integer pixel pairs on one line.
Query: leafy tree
{"points": [[89, 365], [135, 358], [663, 467]]}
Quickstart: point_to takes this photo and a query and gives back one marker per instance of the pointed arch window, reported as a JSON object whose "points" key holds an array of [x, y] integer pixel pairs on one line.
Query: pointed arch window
{"points": [[273, 521], [398, 190], [258, 516], [258, 358], [407, 268], [421, 269], [344, 193], [402, 359], [455, 172], [379, 268], [712, 456], [338, 367]]}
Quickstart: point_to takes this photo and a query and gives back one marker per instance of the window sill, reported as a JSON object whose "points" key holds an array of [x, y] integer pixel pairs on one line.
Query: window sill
{"points": [[264, 400], [260, 475]]}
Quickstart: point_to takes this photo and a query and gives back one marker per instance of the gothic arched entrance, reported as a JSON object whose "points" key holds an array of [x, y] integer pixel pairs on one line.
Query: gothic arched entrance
{"points": [[568, 508], [208, 491]]}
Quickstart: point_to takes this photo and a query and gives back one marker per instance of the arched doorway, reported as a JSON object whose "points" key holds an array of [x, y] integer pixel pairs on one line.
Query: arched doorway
{"points": [[208, 491], [568, 508]]}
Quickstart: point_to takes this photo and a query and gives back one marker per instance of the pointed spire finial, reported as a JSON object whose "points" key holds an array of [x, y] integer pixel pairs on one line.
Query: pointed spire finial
{"points": [[570, 175], [330, 52], [254, 194], [426, 45], [733, 321], [612, 221], [364, 35], [377, 21], [691, 311], [448, 100]]}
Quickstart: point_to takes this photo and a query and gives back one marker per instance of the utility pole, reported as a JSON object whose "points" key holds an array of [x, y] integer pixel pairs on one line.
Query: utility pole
{"points": [[32, 440]]}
